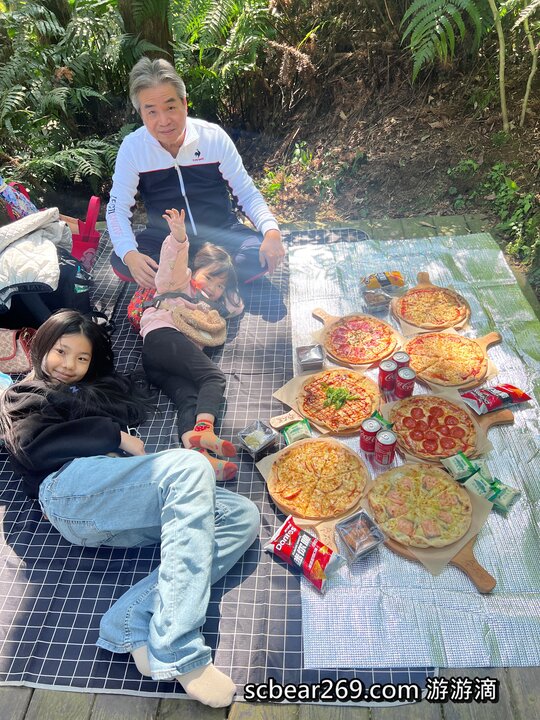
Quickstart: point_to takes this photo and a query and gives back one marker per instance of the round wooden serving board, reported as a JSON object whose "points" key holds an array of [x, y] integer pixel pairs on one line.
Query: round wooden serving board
{"points": [[423, 282], [464, 560], [330, 322]]}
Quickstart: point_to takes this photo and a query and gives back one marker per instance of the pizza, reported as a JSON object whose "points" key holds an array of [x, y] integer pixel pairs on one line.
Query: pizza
{"points": [[447, 358], [316, 479], [360, 340], [431, 427], [338, 399], [431, 307], [420, 506]]}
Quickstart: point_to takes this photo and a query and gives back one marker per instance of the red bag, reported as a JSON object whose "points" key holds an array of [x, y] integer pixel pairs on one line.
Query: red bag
{"points": [[135, 308], [15, 350], [86, 241]]}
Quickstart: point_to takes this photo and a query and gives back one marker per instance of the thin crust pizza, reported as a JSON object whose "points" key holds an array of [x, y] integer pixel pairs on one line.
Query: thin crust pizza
{"points": [[317, 479], [447, 359], [338, 399], [431, 307], [420, 506], [431, 427], [360, 340]]}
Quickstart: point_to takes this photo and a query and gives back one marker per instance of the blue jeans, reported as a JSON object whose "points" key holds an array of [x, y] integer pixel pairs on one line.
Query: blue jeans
{"points": [[169, 498]]}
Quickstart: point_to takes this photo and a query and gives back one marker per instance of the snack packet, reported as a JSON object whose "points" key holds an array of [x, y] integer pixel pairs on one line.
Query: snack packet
{"points": [[391, 278], [298, 548], [297, 431], [485, 400]]}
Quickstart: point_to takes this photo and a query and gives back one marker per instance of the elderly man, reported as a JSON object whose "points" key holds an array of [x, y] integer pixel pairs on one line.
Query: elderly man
{"points": [[176, 161]]}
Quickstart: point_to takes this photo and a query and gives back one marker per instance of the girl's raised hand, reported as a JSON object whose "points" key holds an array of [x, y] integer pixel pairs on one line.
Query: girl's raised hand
{"points": [[176, 224], [131, 444]]}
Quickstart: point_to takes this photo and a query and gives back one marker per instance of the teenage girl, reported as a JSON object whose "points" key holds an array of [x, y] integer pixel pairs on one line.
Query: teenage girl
{"points": [[59, 424], [178, 364]]}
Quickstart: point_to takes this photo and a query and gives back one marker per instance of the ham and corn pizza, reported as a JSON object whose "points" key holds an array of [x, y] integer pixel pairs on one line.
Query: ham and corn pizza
{"points": [[360, 340], [420, 506], [431, 428], [338, 399], [447, 359], [317, 479], [431, 307]]}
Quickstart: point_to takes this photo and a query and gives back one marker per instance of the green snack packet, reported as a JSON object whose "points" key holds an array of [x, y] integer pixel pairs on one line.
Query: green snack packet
{"points": [[504, 496], [386, 425], [297, 431], [459, 466]]}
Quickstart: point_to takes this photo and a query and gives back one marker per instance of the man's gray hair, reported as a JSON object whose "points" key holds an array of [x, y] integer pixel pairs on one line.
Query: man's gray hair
{"points": [[148, 73]]}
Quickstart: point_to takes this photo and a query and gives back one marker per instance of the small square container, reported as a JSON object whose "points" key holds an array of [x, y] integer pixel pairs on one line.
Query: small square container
{"points": [[359, 535], [257, 437], [310, 357]]}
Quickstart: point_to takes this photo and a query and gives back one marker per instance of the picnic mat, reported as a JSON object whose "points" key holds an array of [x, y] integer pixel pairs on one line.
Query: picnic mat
{"points": [[53, 594], [386, 611]]}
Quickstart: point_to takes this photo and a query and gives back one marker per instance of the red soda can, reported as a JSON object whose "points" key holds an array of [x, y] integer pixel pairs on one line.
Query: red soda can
{"points": [[368, 429], [385, 447], [387, 374], [404, 382], [402, 359]]}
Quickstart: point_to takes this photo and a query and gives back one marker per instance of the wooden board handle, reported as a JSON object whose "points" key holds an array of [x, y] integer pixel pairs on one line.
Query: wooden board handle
{"points": [[326, 532], [466, 561], [499, 417], [321, 314], [489, 339], [423, 278]]}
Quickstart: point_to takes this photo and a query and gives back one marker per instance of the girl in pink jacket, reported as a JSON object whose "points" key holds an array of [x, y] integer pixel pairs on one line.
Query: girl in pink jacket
{"points": [[188, 314]]}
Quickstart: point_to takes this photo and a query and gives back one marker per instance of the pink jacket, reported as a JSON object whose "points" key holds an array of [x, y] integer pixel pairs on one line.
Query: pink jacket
{"points": [[173, 275]]}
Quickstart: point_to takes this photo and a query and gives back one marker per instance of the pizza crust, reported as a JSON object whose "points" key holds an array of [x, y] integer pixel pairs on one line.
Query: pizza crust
{"points": [[431, 307], [333, 479], [350, 416], [420, 506]]}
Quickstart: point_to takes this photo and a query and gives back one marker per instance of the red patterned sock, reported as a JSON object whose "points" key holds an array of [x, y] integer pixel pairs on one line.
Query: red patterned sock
{"points": [[203, 436], [224, 469]]}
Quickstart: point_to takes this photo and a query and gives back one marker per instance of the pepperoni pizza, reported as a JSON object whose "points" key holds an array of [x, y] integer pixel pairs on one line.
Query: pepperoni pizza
{"points": [[431, 428], [360, 340]]}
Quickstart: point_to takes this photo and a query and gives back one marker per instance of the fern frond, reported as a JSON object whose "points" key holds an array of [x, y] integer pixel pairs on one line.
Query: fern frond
{"points": [[11, 100], [527, 12]]}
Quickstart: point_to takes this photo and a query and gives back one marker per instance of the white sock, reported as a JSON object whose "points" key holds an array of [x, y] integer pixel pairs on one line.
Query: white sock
{"points": [[140, 655], [209, 686]]}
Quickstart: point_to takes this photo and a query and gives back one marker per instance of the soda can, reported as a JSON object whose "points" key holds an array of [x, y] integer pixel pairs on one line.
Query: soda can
{"points": [[404, 382], [385, 447], [368, 430], [387, 374], [402, 359]]}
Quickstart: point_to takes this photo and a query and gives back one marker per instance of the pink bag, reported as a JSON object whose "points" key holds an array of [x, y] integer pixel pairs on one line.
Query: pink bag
{"points": [[15, 350], [86, 241]]}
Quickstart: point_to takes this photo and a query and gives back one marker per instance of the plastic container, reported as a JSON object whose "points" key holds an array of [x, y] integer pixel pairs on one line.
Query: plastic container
{"points": [[257, 438], [359, 535]]}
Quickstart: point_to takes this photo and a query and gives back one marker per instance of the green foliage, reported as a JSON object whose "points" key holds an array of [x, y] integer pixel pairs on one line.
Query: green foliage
{"points": [[432, 26], [465, 167], [302, 155]]}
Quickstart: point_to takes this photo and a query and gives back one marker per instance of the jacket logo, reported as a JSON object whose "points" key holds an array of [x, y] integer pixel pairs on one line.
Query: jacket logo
{"points": [[197, 154]]}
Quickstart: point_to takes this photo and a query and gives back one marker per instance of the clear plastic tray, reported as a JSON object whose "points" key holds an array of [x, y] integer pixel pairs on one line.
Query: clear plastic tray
{"points": [[359, 535], [257, 437]]}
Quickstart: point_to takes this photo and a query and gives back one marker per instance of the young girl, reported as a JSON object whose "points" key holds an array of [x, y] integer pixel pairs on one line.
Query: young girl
{"points": [[173, 356], [59, 424]]}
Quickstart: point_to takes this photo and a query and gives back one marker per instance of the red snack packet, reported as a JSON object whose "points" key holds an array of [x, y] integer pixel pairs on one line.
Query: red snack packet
{"points": [[297, 547], [485, 400]]}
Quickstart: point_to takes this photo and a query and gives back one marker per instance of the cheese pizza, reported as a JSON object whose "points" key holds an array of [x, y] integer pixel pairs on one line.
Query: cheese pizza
{"points": [[317, 479], [420, 506], [338, 399], [360, 340], [447, 359], [431, 307], [431, 427]]}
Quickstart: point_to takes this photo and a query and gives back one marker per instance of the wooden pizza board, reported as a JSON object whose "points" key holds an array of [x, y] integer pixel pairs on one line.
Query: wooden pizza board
{"points": [[484, 342], [464, 560], [330, 320], [423, 281]]}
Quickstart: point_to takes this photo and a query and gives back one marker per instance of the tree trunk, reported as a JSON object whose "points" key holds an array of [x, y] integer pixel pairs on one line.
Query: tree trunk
{"points": [[153, 27]]}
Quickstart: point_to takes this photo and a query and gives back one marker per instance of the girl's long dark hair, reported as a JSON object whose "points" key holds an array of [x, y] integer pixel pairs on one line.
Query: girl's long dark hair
{"points": [[218, 262], [102, 391]]}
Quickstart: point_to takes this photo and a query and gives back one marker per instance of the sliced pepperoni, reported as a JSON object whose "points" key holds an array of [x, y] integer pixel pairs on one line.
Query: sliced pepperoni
{"points": [[444, 430], [417, 435], [451, 420], [431, 435], [448, 443], [421, 425], [417, 413], [430, 446], [432, 421], [436, 411], [409, 422], [457, 432]]}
